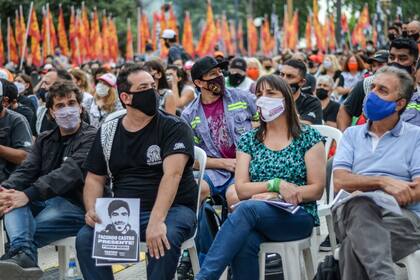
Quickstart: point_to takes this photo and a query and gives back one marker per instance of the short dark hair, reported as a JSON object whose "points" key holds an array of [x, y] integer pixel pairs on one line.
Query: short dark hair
{"points": [[123, 84], [116, 204], [406, 43], [62, 88], [298, 65], [62, 74], [9, 90], [157, 66]]}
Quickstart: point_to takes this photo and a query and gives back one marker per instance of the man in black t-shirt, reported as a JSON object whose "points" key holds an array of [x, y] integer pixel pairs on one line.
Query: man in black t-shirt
{"points": [[308, 107], [149, 155], [324, 87]]}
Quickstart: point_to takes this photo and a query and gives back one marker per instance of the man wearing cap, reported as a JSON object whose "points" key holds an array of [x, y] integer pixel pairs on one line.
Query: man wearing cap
{"points": [[177, 54], [15, 136], [237, 77], [378, 60], [218, 117]]}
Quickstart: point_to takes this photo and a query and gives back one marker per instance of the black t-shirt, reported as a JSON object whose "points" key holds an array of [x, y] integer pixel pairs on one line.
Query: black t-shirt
{"points": [[136, 161], [354, 102], [309, 108], [330, 112], [29, 115]]}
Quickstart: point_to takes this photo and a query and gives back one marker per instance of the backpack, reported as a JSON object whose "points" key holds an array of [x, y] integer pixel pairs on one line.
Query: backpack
{"points": [[328, 269]]}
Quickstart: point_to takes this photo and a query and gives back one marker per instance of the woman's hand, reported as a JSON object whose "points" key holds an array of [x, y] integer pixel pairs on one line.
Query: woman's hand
{"points": [[290, 193], [265, 195]]}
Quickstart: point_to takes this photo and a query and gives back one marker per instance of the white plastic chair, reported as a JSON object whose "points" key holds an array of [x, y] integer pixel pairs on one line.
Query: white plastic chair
{"points": [[63, 246], [412, 263], [2, 238], [290, 253], [324, 208], [189, 244]]}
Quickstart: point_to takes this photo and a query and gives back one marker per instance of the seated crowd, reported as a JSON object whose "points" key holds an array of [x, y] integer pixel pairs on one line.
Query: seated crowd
{"points": [[129, 132]]}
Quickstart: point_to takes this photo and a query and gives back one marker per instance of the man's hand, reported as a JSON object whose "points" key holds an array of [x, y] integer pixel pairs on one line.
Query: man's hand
{"points": [[229, 164], [401, 190], [91, 218], [265, 195], [290, 193], [11, 199], [156, 239]]}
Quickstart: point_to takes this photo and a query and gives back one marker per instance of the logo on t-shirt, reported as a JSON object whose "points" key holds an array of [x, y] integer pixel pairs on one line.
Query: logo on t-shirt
{"points": [[311, 114], [153, 155], [179, 146]]}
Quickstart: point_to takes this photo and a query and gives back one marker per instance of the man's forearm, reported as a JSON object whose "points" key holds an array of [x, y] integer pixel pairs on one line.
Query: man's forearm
{"points": [[350, 182], [343, 119], [215, 163], [92, 190], [168, 188], [15, 156]]}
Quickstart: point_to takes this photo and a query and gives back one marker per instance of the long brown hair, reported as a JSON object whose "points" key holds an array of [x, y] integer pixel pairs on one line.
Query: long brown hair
{"points": [[292, 119]]}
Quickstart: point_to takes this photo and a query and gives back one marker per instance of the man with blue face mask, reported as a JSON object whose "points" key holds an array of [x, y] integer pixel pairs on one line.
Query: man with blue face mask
{"points": [[381, 155], [42, 199]]}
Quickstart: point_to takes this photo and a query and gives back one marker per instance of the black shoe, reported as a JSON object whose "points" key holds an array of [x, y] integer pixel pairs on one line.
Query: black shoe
{"points": [[184, 270], [325, 246], [19, 265]]}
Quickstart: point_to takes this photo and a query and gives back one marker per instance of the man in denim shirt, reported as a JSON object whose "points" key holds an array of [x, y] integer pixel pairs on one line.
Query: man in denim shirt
{"points": [[218, 117], [383, 155]]}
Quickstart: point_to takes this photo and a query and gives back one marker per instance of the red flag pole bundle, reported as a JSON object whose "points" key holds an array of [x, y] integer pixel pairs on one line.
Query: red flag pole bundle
{"points": [[187, 35], [95, 37], [209, 35], [105, 38], [252, 37], [12, 53], [33, 31], [267, 45], [62, 36], [129, 53], [308, 33]]}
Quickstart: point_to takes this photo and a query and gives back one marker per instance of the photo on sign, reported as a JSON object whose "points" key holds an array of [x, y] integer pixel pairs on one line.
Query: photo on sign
{"points": [[117, 237]]}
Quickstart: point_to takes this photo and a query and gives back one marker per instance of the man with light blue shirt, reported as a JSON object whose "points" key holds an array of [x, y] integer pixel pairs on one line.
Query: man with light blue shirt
{"points": [[380, 155]]}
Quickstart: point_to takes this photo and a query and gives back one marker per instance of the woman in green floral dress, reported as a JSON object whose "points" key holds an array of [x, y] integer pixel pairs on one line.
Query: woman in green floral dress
{"points": [[281, 158]]}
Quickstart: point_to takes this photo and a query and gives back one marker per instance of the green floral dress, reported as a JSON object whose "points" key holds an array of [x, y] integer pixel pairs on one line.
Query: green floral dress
{"points": [[287, 164]]}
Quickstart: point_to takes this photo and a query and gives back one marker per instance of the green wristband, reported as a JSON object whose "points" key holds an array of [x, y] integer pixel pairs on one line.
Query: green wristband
{"points": [[274, 185]]}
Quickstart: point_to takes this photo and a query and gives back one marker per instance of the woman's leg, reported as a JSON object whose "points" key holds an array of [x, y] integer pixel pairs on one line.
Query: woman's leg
{"points": [[252, 221]]}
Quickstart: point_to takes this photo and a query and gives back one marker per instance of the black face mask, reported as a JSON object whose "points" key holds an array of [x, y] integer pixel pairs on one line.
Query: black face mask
{"points": [[409, 68], [295, 87], [405, 34], [145, 101], [42, 94], [321, 93], [268, 68], [415, 36], [392, 37], [235, 79], [216, 85]]}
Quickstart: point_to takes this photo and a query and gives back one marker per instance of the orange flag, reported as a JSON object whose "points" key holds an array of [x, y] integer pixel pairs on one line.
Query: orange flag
{"points": [[129, 53], [143, 32], [11, 44], [294, 31], [172, 22], [267, 45], [95, 37], [308, 33], [19, 33], [227, 36], [233, 36], [1, 47], [154, 30], [319, 34], [357, 36], [35, 38], [187, 35], [105, 39], [164, 25], [53, 34], [331, 42], [285, 43], [46, 49], [240, 38], [208, 36], [113, 40], [252, 37], [62, 36], [74, 37], [84, 30]]}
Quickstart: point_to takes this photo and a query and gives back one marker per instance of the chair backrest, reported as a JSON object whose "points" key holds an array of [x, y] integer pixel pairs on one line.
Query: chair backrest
{"points": [[332, 134], [200, 156]]}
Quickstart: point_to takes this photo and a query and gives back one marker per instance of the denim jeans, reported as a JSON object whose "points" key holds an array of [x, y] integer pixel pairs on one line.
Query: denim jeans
{"points": [[41, 222], [221, 190], [238, 241], [180, 224]]}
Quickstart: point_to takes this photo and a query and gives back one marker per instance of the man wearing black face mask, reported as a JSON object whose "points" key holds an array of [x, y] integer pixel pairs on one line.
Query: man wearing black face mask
{"points": [[237, 75], [148, 154], [218, 117], [308, 107], [403, 54], [413, 31]]}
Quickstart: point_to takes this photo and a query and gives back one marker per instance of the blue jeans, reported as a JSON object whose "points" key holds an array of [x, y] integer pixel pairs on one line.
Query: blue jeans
{"points": [[180, 224], [41, 222], [218, 189], [238, 241]]}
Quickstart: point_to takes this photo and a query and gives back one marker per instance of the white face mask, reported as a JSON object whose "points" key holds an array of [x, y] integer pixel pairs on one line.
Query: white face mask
{"points": [[20, 87], [271, 108], [101, 89], [327, 64]]}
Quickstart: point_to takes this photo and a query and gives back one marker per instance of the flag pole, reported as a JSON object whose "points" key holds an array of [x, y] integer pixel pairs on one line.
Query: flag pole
{"points": [[26, 35]]}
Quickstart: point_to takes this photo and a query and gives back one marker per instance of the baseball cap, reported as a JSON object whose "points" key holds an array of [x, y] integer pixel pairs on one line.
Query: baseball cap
{"points": [[168, 34], [380, 56], [238, 63], [108, 78], [204, 65]]}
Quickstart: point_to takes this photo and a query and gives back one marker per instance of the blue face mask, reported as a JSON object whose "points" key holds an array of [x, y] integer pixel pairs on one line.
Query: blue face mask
{"points": [[376, 109]]}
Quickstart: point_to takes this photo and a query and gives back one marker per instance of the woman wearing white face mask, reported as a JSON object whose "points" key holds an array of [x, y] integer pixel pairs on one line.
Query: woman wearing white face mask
{"points": [[281, 158], [331, 67], [105, 100]]}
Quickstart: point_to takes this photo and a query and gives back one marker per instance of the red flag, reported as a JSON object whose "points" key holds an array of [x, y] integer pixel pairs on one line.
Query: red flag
{"points": [[143, 32], [53, 34], [84, 30], [240, 38], [233, 36], [227, 36], [208, 36], [319, 33], [252, 37], [129, 53], [357, 36], [105, 39], [95, 37], [154, 30], [294, 31], [35, 38], [11, 44], [308, 33], [62, 36], [172, 22], [332, 42], [286, 30], [19, 33], [267, 40], [187, 35], [113, 40], [1, 47]]}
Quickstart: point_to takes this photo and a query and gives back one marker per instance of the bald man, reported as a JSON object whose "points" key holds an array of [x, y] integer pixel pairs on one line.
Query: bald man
{"points": [[413, 30]]}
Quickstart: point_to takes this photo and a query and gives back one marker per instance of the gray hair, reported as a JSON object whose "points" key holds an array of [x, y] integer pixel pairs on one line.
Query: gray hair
{"points": [[406, 82], [325, 79]]}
